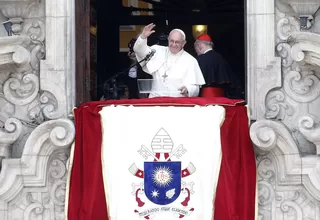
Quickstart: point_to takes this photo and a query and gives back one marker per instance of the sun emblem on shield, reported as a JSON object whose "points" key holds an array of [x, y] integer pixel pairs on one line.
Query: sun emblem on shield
{"points": [[162, 176]]}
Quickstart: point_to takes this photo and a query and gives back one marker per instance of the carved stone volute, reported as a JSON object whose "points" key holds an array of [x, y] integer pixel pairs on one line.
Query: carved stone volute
{"points": [[286, 116], [20, 56], [310, 130], [36, 98]]}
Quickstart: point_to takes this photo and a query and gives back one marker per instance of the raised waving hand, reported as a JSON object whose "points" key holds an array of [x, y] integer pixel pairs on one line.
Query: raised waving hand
{"points": [[147, 31]]}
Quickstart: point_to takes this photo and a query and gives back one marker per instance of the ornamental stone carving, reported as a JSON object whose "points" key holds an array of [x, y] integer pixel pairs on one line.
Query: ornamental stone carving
{"points": [[32, 84], [20, 57], [37, 179], [286, 181], [286, 110], [37, 90], [305, 7], [310, 130], [302, 86], [9, 134], [17, 8], [14, 55], [36, 98]]}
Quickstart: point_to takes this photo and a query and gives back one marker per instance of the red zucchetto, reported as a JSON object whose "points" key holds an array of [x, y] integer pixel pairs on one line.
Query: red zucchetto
{"points": [[205, 37]]}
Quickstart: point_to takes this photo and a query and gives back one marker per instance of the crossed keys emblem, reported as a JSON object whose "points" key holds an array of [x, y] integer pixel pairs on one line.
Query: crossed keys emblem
{"points": [[146, 153], [161, 185]]}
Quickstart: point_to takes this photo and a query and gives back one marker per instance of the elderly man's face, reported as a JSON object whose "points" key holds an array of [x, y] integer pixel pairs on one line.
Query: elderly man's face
{"points": [[176, 42]]}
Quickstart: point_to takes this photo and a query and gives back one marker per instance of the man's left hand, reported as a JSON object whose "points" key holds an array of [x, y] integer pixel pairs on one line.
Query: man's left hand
{"points": [[184, 91]]}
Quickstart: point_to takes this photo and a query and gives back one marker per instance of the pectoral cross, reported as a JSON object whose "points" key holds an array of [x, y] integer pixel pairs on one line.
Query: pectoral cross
{"points": [[164, 76]]}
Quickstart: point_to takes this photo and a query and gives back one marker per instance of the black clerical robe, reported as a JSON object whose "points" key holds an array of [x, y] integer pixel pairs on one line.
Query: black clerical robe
{"points": [[216, 71]]}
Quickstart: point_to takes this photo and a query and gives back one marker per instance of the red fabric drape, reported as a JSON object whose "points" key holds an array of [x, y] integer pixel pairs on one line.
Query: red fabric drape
{"points": [[235, 194], [169, 101], [86, 194], [212, 92], [235, 198]]}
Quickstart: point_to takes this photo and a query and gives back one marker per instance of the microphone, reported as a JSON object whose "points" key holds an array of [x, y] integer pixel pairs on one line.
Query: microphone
{"points": [[150, 55]]}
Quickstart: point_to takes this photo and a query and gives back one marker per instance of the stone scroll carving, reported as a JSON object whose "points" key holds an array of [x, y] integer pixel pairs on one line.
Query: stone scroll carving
{"points": [[288, 184], [36, 73], [42, 165], [299, 93], [13, 54], [45, 202], [286, 110], [286, 26], [310, 130], [27, 92], [9, 134], [302, 86]]}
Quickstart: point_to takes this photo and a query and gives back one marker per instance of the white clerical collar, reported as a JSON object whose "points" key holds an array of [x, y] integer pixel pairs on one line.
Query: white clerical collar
{"points": [[207, 50], [176, 54]]}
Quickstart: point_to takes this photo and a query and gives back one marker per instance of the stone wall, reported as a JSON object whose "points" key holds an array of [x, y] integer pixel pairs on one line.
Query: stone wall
{"points": [[37, 91], [36, 99], [283, 94]]}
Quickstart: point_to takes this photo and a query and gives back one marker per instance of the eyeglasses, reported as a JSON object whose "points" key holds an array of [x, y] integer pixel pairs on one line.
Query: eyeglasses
{"points": [[175, 42]]}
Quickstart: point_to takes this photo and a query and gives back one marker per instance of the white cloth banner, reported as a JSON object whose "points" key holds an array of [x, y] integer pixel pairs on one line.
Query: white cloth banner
{"points": [[161, 162]]}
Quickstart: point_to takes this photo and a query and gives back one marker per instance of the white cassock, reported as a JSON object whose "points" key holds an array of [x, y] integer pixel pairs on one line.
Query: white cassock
{"points": [[171, 71]]}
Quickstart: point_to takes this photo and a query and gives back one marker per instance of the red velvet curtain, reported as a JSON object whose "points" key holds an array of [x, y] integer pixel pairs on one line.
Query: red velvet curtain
{"points": [[86, 193], [235, 197], [235, 194]]}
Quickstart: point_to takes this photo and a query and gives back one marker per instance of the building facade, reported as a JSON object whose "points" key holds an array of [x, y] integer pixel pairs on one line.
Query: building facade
{"points": [[37, 95]]}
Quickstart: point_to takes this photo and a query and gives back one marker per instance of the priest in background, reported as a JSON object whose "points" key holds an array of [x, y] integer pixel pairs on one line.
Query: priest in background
{"points": [[217, 73], [169, 63]]}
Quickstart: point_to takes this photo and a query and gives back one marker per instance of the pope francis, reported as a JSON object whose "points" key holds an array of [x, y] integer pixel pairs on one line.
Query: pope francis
{"points": [[169, 65]]}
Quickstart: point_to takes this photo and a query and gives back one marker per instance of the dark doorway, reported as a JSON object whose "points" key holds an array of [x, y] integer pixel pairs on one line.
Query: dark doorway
{"points": [[86, 78], [225, 21]]}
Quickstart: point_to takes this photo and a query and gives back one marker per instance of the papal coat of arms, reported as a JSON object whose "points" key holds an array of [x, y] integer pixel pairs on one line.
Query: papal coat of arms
{"points": [[163, 178]]}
